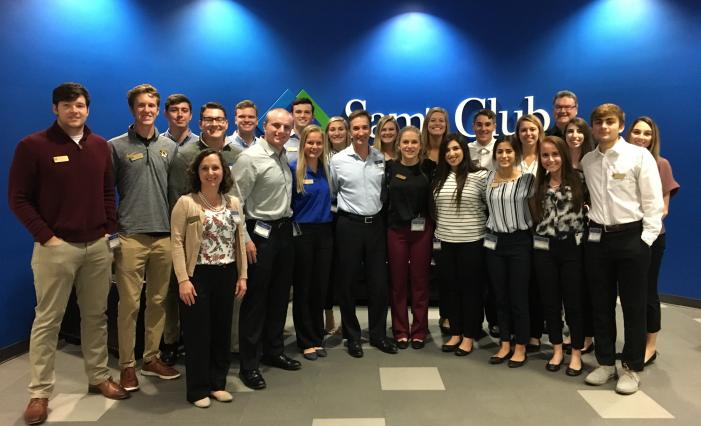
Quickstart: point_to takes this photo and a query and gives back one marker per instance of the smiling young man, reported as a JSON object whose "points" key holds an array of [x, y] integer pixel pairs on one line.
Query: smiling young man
{"points": [[565, 108], [142, 160], [303, 115], [481, 148], [246, 118], [625, 219], [179, 114], [69, 228], [358, 174]]}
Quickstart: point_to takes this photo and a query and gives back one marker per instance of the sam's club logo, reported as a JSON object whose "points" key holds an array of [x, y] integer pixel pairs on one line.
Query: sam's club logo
{"points": [[286, 99]]}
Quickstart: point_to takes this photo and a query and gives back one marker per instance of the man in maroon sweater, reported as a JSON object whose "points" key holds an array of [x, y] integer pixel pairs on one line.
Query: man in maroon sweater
{"points": [[62, 190]]}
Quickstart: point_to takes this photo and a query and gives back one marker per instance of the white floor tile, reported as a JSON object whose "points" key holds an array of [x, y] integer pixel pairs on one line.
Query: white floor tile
{"points": [[349, 422], [68, 407], [410, 378], [434, 314], [697, 320], [610, 405]]}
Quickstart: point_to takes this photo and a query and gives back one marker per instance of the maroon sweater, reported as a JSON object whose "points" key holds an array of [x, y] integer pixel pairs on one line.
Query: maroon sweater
{"points": [[57, 188]]}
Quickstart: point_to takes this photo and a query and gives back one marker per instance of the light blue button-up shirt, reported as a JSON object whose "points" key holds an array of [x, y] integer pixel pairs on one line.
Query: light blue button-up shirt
{"points": [[291, 148], [357, 183], [237, 140]]}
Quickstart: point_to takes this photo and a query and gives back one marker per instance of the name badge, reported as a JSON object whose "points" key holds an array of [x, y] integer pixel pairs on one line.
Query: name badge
{"points": [[235, 216], [135, 156], [541, 243], [578, 238], [193, 219], [490, 242], [436, 243], [400, 177], [113, 241], [418, 224], [380, 162], [262, 229], [595, 234], [291, 149], [334, 208], [296, 230], [619, 176], [495, 184], [61, 159], [308, 181]]}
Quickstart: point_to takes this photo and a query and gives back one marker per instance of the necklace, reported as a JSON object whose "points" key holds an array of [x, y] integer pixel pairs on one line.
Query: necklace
{"points": [[208, 206]]}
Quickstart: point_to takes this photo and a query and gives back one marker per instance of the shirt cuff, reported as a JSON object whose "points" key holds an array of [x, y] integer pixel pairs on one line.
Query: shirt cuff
{"points": [[648, 237]]}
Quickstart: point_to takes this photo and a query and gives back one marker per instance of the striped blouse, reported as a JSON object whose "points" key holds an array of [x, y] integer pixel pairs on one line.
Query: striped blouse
{"points": [[466, 224], [508, 203]]}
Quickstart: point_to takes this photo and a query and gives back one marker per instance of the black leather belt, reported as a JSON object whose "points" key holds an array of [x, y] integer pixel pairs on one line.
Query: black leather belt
{"points": [[618, 227], [359, 218]]}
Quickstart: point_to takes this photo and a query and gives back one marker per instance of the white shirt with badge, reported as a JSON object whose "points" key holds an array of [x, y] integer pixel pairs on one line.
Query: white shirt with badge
{"points": [[481, 155]]}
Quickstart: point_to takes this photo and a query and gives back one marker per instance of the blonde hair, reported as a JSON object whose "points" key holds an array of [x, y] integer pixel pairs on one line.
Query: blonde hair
{"points": [[422, 147], [424, 129], [301, 169], [328, 148], [378, 138]]}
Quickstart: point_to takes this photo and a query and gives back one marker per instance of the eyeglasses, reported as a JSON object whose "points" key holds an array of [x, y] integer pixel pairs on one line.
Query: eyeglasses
{"points": [[210, 120], [565, 107]]}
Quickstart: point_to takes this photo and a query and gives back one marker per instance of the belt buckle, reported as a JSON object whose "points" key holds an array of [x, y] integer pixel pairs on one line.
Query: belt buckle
{"points": [[368, 219]]}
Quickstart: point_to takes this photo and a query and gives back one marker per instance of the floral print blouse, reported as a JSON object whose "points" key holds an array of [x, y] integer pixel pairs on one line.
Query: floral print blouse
{"points": [[218, 235]]}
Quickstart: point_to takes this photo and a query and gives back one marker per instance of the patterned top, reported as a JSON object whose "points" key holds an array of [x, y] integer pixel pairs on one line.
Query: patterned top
{"points": [[559, 218], [467, 223], [508, 203], [218, 235]]}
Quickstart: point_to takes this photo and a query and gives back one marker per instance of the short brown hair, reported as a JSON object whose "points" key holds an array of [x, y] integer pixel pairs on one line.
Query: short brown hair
{"points": [[246, 103], [487, 113], [141, 89], [607, 109], [359, 113], [194, 171], [177, 98]]}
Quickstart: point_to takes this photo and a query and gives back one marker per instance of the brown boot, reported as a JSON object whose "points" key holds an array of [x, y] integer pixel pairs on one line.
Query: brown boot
{"points": [[37, 411]]}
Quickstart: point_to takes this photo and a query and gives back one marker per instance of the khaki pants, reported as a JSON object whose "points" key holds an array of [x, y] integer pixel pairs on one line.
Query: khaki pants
{"points": [[56, 270], [141, 256]]}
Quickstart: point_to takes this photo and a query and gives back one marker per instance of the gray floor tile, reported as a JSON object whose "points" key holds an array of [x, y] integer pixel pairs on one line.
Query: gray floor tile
{"points": [[410, 379]]}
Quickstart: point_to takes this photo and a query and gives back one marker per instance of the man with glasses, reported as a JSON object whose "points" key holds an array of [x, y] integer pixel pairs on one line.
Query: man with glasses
{"points": [[564, 109]]}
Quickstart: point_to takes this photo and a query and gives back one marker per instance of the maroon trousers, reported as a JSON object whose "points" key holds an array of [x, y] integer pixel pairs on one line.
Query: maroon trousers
{"points": [[409, 255]]}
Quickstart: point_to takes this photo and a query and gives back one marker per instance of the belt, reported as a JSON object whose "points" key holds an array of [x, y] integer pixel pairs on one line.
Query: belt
{"points": [[359, 218], [277, 223], [618, 227]]}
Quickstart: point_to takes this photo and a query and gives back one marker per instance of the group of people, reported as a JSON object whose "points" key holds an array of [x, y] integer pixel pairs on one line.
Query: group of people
{"points": [[220, 228]]}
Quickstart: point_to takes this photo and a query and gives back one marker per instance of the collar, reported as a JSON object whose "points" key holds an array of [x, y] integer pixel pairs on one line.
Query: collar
{"points": [[138, 137], [237, 137], [170, 136], [225, 147], [57, 133], [272, 152], [619, 146]]}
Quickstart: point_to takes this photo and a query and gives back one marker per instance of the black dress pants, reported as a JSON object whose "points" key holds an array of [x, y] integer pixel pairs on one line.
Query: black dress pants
{"points": [[358, 241], [618, 265], [654, 316], [264, 308]]}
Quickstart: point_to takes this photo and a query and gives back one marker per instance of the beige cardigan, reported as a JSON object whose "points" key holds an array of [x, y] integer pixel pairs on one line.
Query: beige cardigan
{"points": [[186, 226]]}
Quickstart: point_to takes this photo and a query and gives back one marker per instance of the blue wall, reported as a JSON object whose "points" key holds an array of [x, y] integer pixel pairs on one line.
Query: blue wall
{"points": [[400, 58]]}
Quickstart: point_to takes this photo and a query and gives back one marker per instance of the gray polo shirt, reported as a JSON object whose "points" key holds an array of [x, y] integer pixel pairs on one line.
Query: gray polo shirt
{"points": [[141, 170], [358, 183]]}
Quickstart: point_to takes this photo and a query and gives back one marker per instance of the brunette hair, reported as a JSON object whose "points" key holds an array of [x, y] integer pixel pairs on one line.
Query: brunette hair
{"points": [[194, 171], [570, 178], [654, 147], [443, 170]]}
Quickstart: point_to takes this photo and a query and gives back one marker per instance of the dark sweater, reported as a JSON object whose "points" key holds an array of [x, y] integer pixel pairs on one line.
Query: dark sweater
{"points": [[57, 188], [409, 192]]}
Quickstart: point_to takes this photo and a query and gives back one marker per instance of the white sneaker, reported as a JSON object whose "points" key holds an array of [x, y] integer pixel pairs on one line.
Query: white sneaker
{"points": [[628, 382], [222, 396], [203, 403], [601, 375]]}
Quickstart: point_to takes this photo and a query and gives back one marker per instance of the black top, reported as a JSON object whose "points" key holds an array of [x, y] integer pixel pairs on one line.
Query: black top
{"points": [[555, 131], [409, 191]]}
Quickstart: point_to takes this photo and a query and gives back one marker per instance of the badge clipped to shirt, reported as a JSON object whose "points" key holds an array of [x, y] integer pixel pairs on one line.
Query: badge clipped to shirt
{"points": [[296, 230], [400, 176], [334, 208], [541, 243], [135, 156], [619, 176], [578, 238], [113, 241], [418, 224], [291, 149], [308, 181], [235, 216], [380, 163], [490, 242], [61, 159], [262, 229], [595, 234], [436, 243]]}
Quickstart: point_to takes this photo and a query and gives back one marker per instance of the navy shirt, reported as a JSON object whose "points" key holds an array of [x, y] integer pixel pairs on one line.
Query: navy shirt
{"points": [[314, 204]]}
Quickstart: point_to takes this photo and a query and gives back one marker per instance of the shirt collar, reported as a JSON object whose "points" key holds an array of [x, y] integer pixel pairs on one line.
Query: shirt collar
{"points": [[138, 137], [270, 150], [57, 131]]}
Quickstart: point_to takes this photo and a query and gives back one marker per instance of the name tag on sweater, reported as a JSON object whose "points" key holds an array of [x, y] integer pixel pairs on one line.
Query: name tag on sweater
{"points": [[61, 159], [135, 156]]}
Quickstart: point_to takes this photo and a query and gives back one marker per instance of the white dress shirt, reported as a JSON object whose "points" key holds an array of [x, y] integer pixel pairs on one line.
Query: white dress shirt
{"points": [[481, 155], [625, 187]]}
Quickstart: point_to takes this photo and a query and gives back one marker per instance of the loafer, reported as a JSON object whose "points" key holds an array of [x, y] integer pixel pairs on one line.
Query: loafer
{"points": [[628, 382], [601, 375], [418, 344], [572, 372], [402, 344], [517, 364], [322, 352], [109, 389], [282, 361], [651, 359], [222, 396], [553, 367], [252, 379], [385, 345], [37, 410], [355, 349], [311, 356]]}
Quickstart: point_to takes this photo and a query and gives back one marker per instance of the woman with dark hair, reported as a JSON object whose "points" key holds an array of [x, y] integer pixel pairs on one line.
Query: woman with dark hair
{"points": [[579, 140], [508, 243], [460, 213], [558, 212], [644, 133], [409, 233], [209, 259], [313, 241]]}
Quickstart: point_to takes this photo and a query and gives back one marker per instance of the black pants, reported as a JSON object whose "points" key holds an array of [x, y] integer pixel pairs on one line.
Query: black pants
{"points": [[207, 329], [264, 308], [559, 277], [654, 317], [313, 255], [358, 241], [330, 293], [461, 268], [619, 264], [535, 306], [509, 268]]}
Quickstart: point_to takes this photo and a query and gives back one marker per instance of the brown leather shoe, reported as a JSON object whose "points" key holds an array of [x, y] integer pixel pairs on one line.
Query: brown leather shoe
{"points": [[109, 389], [128, 379], [157, 368], [37, 411]]}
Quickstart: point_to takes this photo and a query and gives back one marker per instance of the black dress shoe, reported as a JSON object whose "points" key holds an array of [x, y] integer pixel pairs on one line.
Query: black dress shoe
{"points": [[651, 360], [252, 379], [322, 353], [517, 364], [355, 349], [311, 356], [572, 372], [494, 331], [402, 344], [418, 344], [460, 352], [282, 361], [553, 367], [450, 348], [385, 345], [498, 359]]}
